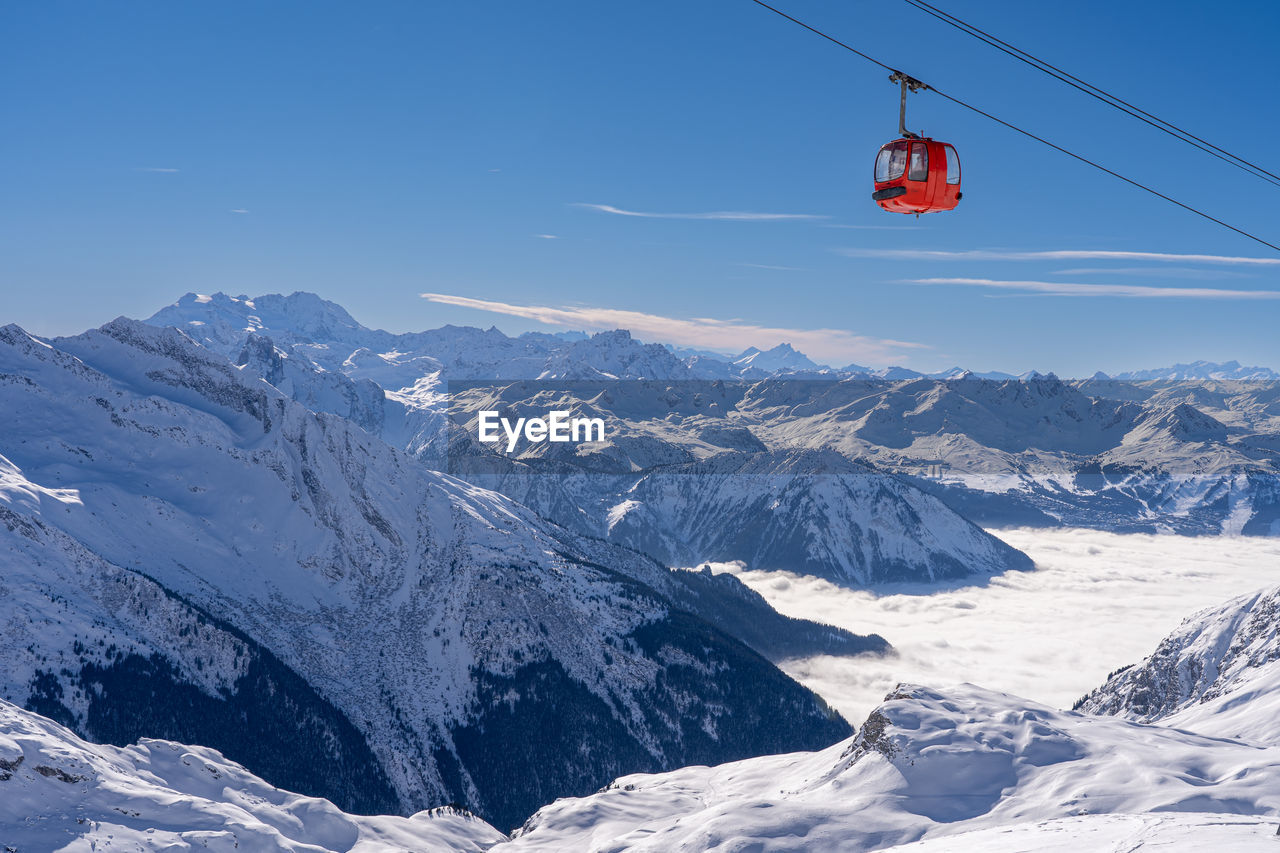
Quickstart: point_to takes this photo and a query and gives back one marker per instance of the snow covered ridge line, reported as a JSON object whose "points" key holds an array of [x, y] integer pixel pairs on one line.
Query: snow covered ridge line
{"points": [[682, 479], [157, 795]]}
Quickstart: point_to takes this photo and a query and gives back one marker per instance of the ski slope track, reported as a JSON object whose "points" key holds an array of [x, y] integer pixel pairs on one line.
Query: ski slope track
{"points": [[186, 547]]}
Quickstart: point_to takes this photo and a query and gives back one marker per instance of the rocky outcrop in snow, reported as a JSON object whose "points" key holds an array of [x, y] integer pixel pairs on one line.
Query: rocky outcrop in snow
{"points": [[1218, 674]]}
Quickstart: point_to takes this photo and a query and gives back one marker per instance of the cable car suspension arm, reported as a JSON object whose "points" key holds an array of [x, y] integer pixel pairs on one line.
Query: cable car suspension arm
{"points": [[907, 82]]}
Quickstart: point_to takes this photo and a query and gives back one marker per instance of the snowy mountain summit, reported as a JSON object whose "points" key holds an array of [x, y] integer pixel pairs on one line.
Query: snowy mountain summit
{"points": [[781, 358]]}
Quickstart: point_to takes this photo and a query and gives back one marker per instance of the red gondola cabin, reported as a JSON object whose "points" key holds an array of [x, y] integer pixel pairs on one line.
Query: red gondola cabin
{"points": [[917, 176]]}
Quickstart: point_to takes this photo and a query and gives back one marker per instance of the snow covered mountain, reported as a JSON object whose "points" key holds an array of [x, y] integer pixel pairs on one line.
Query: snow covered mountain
{"points": [[813, 512], [182, 540], [330, 335], [798, 510], [944, 765], [614, 355], [1120, 456], [1114, 833], [807, 511], [322, 333], [58, 792], [779, 359], [1196, 459], [1203, 370], [1218, 674]]}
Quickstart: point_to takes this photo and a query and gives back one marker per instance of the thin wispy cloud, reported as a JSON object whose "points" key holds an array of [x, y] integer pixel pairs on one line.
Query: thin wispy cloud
{"points": [[547, 236], [727, 215], [238, 210], [1057, 255], [778, 267], [836, 345], [1131, 291], [1162, 272], [156, 169]]}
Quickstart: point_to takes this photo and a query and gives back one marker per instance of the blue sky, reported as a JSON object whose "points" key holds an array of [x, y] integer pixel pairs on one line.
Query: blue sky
{"points": [[486, 152]]}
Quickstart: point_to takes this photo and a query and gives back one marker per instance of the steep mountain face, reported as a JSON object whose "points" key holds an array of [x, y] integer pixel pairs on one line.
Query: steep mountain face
{"points": [[927, 764], [676, 479], [113, 654], [411, 617], [1217, 674], [812, 512], [614, 355], [157, 796], [809, 512], [413, 418]]}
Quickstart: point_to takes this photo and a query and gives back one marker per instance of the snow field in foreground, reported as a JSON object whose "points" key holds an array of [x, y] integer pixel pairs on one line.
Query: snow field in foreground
{"points": [[1114, 833]]}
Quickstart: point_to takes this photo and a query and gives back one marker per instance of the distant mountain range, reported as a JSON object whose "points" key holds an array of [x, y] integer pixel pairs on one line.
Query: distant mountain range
{"points": [[221, 321], [1193, 456], [1203, 370]]}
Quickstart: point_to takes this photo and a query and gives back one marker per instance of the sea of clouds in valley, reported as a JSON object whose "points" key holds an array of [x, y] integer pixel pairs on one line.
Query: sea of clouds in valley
{"points": [[1096, 601]]}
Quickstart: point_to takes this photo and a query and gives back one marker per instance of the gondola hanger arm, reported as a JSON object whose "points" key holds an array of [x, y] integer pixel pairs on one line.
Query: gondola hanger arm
{"points": [[907, 82]]}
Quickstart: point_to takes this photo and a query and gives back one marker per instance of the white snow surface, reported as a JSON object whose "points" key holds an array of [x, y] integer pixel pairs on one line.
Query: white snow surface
{"points": [[61, 793], [1114, 833], [1096, 602], [928, 764]]}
